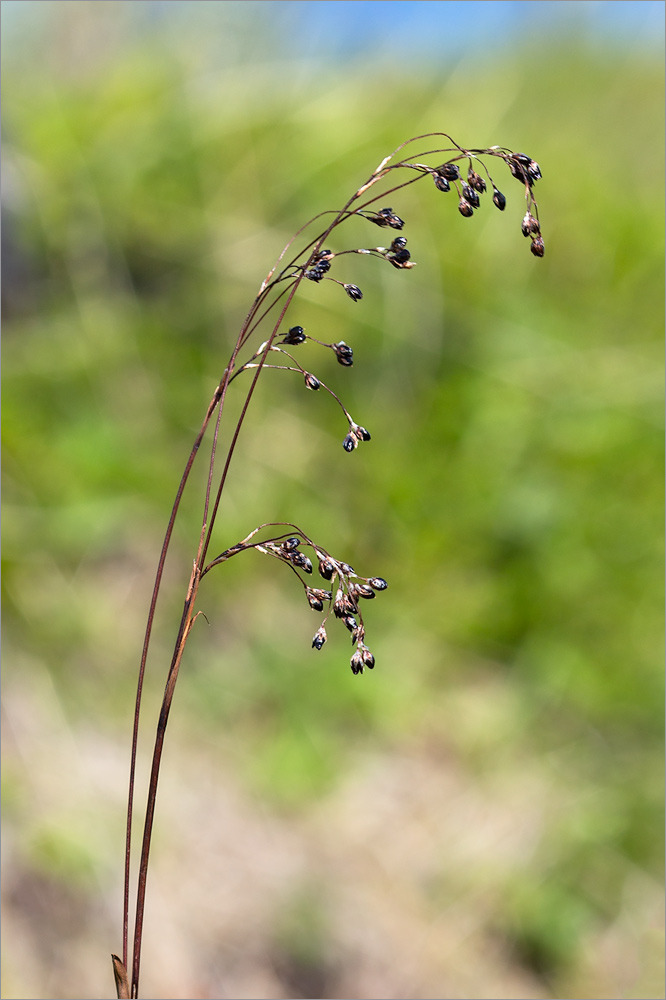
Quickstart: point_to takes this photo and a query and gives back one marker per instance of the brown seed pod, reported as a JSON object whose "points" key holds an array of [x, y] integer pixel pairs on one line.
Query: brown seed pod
{"points": [[326, 568], [319, 638]]}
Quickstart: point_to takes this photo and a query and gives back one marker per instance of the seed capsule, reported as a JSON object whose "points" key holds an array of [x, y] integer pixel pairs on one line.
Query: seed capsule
{"points": [[338, 605], [314, 274], [476, 181], [538, 247], [378, 583], [520, 173], [470, 194], [311, 382], [299, 559], [315, 602], [361, 432], [291, 544], [530, 226], [295, 336], [350, 622], [450, 171], [326, 569], [465, 208], [358, 635], [534, 170], [319, 638], [499, 199], [368, 658], [350, 442], [356, 662], [354, 292], [344, 605], [441, 183], [400, 259], [399, 243], [389, 218], [344, 354], [347, 569], [363, 590]]}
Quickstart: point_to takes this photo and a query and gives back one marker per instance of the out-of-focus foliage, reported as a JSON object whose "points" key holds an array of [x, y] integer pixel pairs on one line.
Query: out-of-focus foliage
{"points": [[512, 490]]}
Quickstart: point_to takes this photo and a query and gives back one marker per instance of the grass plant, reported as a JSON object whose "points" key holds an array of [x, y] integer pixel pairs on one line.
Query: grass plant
{"points": [[305, 257]]}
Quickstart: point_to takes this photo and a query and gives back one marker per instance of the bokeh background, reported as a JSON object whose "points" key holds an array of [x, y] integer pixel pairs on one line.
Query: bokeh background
{"points": [[482, 815]]}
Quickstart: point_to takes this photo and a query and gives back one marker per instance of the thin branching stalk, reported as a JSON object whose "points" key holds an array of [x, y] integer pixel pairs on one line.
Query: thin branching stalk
{"points": [[276, 294]]}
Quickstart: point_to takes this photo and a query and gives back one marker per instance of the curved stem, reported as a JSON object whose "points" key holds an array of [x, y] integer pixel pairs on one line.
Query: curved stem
{"points": [[144, 656]]}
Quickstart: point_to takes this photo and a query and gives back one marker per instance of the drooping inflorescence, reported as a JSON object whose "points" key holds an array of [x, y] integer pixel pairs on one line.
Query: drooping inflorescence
{"points": [[467, 172], [346, 593], [522, 167]]}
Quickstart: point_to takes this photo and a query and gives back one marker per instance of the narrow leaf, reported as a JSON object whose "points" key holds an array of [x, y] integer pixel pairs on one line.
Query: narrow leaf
{"points": [[122, 982]]}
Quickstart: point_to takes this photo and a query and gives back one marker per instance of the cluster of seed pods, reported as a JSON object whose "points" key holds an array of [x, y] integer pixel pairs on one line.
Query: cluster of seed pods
{"points": [[344, 598]]}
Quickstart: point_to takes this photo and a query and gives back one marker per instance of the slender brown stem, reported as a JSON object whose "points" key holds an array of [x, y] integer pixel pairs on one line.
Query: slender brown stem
{"points": [[144, 656]]}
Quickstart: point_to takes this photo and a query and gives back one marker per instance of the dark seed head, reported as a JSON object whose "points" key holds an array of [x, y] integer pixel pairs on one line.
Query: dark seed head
{"points": [[476, 181], [520, 172], [311, 382], [499, 199], [441, 183], [534, 170], [323, 265], [354, 292], [346, 569], [470, 194], [357, 662], [387, 217], [319, 638], [530, 226], [350, 622], [450, 171], [400, 256], [344, 354], [314, 274], [378, 583], [295, 336], [344, 604], [361, 432], [379, 219], [393, 220], [358, 635], [368, 658], [399, 243], [299, 559], [291, 544], [350, 442], [315, 602], [538, 247], [465, 208], [363, 590], [326, 569]]}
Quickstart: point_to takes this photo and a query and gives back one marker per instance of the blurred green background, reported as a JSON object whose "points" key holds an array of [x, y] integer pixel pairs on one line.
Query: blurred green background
{"points": [[481, 816]]}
